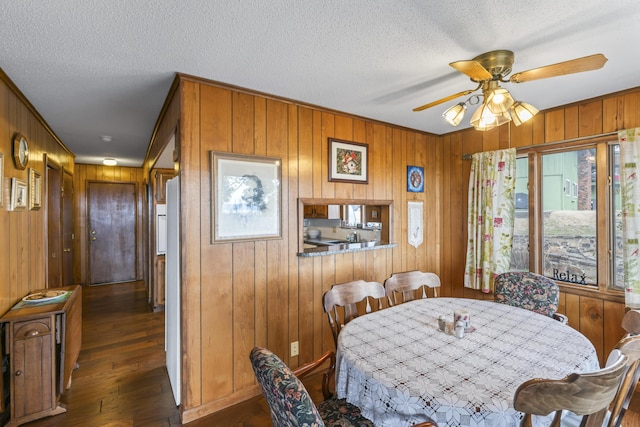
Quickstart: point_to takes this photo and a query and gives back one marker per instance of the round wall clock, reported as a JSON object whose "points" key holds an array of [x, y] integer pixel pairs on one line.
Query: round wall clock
{"points": [[20, 151]]}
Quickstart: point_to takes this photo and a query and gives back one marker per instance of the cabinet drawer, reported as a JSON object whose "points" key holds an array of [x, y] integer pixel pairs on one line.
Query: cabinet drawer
{"points": [[32, 328]]}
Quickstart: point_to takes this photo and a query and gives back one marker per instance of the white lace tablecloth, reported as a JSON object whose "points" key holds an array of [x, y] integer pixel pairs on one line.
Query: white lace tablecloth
{"points": [[398, 367]]}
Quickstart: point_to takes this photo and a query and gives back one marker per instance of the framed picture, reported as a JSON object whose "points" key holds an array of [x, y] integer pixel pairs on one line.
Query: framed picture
{"points": [[35, 189], [348, 162], [415, 179], [18, 194], [246, 197]]}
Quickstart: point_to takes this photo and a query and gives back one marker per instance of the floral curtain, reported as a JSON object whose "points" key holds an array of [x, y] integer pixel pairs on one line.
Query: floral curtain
{"points": [[629, 174], [490, 217]]}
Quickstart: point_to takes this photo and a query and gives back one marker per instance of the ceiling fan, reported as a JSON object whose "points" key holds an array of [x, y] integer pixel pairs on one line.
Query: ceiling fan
{"points": [[498, 106]]}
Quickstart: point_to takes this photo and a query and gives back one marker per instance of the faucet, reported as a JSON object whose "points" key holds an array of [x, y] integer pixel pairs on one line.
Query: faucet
{"points": [[355, 236]]}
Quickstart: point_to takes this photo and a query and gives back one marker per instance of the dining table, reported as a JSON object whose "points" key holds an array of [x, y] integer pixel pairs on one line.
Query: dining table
{"points": [[401, 369]]}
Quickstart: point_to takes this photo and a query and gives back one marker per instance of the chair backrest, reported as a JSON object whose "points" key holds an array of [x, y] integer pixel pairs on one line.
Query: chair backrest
{"points": [[630, 347], [587, 394], [288, 399], [631, 322], [527, 290], [405, 284], [343, 298]]}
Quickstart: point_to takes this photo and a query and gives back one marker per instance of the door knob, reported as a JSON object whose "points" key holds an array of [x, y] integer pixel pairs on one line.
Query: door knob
{"points": [[93, 238]]}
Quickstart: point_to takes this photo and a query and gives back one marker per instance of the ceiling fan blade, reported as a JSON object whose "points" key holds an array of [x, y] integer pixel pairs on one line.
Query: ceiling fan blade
{"points": [[473, 69], [578, 65], [448, 98]]}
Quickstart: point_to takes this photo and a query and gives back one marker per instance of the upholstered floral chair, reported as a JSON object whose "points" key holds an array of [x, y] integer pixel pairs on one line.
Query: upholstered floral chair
{"points": [[289, 401], [530, 291]]}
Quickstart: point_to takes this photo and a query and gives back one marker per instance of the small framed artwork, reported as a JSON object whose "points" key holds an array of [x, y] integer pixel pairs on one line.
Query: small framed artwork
{"points": [[35, 190], [348, 161], [246, 197], [415, 179], [18, 195]]}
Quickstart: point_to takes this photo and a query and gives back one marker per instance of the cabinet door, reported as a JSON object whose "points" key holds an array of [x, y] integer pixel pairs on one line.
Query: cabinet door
{"points": [[309, 211], [322, 211], [33, 379], [161, 178], [159, 283], [316, 211]]}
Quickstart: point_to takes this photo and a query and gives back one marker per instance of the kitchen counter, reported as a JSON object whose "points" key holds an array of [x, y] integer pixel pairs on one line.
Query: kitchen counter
{"points": [[341, 248]]}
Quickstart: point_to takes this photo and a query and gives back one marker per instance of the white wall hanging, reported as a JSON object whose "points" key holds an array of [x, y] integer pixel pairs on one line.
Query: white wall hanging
{"points": [[415, 232]]}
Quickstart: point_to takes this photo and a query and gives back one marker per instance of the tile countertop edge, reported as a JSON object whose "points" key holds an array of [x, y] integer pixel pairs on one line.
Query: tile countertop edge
{"points": [[346, 250]]}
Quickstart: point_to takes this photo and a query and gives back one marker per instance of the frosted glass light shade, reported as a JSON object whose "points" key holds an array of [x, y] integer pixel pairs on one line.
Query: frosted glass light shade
{"points": [[499, 101], [453, 115], [484, 119], [521, 112]]}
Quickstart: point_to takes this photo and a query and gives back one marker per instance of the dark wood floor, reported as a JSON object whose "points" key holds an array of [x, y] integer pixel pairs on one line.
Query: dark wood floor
{"points": [[122, 380]]}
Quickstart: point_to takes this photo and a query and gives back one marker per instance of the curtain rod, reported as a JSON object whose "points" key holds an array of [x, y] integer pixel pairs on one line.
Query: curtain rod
{"points": [[467, 156]]}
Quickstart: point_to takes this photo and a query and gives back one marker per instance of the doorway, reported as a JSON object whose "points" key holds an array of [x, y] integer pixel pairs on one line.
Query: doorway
{"points": [[54, 227], [112, 232]]}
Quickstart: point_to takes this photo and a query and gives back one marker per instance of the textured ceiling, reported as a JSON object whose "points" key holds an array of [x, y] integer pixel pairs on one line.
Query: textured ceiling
{"points": [[94, 68]]}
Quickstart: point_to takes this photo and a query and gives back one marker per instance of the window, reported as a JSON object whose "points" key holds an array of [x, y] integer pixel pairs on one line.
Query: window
{"points": [[520, 250], [565, 241], [569, 237]]}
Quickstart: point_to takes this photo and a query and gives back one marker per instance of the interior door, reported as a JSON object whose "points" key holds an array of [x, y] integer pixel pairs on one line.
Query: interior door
{"points": [[112, 232], [67, 229], [54, 245]]}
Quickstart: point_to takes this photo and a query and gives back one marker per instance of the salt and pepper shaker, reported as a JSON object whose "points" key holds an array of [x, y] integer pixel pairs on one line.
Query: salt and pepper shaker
{"points": [[442, 322], [459, 329]]}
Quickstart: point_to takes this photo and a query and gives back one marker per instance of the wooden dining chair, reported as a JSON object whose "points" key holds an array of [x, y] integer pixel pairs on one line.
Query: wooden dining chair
{"points": [[406, 284], [530, 291], [289, 401], [340, 302], [630, 347], [586, 394]]}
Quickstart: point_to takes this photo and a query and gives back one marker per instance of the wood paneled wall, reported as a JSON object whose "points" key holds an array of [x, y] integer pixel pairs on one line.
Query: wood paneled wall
{"points": [[23, 245], [85, 173], [260, 293]]}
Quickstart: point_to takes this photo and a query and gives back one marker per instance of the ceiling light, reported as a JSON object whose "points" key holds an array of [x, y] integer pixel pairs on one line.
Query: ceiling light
{"points": [[454, 114], [521, 112], [109, 161], [484, 119], [498, 107], [106, 138], [499, 100]]}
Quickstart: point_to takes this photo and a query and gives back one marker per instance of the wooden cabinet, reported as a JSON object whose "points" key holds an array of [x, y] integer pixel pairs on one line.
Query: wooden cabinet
{"points": [[160, 178], [322, 211], [43, 342], [157, 288], [316, 211], [159, 283]]}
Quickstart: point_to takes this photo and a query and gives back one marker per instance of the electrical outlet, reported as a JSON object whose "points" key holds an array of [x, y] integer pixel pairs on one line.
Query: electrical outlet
{"points": [[295, 349]]}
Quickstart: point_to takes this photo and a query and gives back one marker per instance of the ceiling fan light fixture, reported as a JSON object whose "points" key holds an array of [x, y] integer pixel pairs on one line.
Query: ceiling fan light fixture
{"points": [[454, 115], [483, 119], [521, 112], [499, 100]]}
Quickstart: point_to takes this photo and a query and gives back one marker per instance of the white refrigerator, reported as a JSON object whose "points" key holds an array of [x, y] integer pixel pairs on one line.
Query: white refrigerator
{"points": [[172, 292]]}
